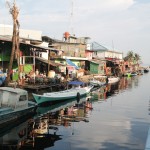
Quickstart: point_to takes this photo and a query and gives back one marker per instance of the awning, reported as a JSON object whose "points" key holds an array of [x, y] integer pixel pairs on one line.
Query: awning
{"points": [[76, 83], [50, 62], [70, 63]]}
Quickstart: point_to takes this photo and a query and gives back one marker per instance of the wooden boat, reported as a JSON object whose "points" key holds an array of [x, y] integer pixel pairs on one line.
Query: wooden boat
{"points": [[95, 82], [113, 79], [14, 105], [133, 74], [146, 70], [41, 110], [75, 92]]}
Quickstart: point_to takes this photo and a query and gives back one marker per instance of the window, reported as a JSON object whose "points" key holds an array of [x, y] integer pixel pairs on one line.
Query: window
{"points": [[23, 98]]}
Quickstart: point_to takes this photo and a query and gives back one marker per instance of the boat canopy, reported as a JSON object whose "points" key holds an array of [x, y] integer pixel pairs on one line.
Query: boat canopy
{"points": [[13, 90], [69, 62], [76, 83]]}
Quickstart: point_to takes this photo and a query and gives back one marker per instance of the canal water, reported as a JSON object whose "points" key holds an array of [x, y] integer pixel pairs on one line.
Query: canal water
{"points": [[113, 117]]}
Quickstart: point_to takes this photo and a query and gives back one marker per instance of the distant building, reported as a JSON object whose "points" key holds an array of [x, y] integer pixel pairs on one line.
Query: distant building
{"points": [[102, 52], [7, 31], [70, 47], [110, 62], [30, 41]]}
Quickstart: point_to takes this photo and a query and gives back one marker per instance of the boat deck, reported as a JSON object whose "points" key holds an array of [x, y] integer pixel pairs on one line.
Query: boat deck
{"points": [[39, 87], [5, 110]]}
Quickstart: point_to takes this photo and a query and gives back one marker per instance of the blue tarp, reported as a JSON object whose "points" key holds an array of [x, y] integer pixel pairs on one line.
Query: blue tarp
{"points": [[2, 77], [69, 62], [76, 83]]}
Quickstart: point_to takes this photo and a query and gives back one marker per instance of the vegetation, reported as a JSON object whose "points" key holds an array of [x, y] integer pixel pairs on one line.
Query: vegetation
{"points": [[137, 57], [131, 57]]}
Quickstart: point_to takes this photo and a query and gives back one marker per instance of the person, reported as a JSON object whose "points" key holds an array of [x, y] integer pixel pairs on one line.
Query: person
{"points": [[106, 79], [62, 78], [37, 72], [11, 74], [44, 74], [15, 84]]}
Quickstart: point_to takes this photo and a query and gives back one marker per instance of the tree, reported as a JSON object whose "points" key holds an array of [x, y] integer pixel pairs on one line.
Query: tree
{"points": [[15, 38], [137, 57], [130, 56]]}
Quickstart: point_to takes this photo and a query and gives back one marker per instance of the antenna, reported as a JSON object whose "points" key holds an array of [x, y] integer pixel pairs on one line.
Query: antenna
{"points": [[71, 17], [113, 49], [113, 45]]}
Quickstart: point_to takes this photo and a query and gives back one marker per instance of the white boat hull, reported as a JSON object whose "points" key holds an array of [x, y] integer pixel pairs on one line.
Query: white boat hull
{"points": [[97, 83], [113, 79], [62, 95]]}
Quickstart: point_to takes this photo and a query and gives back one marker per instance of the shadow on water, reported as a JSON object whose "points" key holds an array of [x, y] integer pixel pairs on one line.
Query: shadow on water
{"points": [[55, 106], [111, 90], [41, 131]]}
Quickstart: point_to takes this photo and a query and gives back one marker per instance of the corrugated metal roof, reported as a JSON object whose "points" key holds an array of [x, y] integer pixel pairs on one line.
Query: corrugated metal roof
{"points": [[50, 62], [97, 47]]}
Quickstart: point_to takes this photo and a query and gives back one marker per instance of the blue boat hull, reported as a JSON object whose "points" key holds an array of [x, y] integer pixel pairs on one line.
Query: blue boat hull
{"points": [[12, 116]]}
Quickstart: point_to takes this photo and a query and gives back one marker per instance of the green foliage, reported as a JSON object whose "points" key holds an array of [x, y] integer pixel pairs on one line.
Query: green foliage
{"points": [[132, 57]]}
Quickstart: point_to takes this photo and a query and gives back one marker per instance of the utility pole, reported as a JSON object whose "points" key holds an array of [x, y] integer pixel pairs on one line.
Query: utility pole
{"points": [[15, 38], [71, 17], [49, 57]]}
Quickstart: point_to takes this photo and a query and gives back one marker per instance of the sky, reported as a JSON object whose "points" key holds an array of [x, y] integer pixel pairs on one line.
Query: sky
{"points": [[119, 25]]}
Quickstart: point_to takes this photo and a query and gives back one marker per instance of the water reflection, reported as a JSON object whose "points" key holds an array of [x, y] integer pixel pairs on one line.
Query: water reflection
{"points": [[62, 114], [105, 91], [110, 90], [41, 131], [13, 136], [71, 122]]}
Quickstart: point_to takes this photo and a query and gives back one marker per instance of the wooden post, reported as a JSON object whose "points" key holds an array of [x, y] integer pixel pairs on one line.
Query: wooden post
{"points": [[48, 61], [34, 64], [15, 38]]}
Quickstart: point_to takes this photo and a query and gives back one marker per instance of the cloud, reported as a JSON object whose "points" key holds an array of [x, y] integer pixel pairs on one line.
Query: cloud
{"points": [[102, 6], [126, 22]]}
